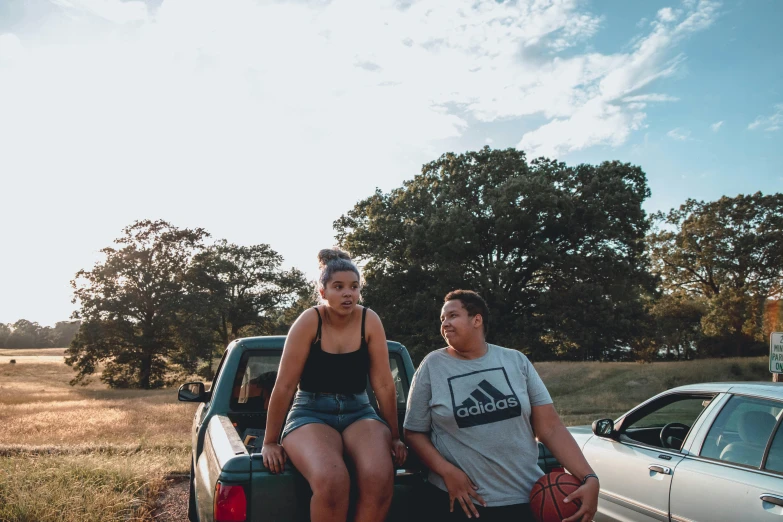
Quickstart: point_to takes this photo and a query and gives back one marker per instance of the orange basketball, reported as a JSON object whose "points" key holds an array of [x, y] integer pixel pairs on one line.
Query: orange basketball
{"points": [[546, 497]]}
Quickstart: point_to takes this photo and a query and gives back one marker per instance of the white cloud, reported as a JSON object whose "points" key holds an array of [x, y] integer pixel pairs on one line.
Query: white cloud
{"points": [[116, 11], [291, 109], [262, 121], [769, 123], [261, 70], [667, 14], [679, 134], [11, 49], [593, 123], [651, 98], [716, 126], [595, 114]]}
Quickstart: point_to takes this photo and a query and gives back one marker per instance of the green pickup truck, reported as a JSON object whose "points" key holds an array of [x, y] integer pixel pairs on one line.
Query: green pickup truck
{"points": [[228, 480]]}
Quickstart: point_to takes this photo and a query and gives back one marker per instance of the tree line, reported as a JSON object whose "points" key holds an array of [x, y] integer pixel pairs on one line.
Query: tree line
{"points": [[571, 266], [569, 263], [30, 334]]}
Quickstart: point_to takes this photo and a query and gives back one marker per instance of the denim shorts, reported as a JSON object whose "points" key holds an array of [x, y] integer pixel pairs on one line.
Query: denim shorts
{"points": [[337, 410]]}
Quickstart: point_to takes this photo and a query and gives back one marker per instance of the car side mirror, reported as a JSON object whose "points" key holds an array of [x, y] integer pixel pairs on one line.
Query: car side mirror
{"points": [[192, 392], [604, 428]]}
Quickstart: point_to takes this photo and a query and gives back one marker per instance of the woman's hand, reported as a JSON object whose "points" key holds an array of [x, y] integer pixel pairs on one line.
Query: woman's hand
{"points": [[274, 457], [588, 494], [399, 451], [461, 489]]}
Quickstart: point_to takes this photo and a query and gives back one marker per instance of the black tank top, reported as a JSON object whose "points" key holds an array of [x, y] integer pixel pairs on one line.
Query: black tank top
{"points": [[335, 372]]}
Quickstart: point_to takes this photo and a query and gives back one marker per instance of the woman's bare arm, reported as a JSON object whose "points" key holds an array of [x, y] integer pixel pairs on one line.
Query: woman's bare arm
{"points": [[295, 353], [382, 382]]}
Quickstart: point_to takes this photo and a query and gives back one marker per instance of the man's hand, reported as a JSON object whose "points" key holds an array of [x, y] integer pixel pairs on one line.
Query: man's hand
{"points": [[588, 494], [463, 490]]}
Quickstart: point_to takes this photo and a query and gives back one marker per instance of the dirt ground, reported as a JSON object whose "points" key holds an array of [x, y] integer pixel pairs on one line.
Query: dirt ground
{"points": [[173, 503]]}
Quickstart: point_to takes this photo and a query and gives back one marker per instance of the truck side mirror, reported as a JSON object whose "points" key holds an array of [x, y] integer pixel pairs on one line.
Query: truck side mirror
{"points": [[604, 428], [192, 392]]}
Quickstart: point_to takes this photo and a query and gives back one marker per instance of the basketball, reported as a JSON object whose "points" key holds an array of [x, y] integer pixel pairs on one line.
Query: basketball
{"points": [[546, 497]]}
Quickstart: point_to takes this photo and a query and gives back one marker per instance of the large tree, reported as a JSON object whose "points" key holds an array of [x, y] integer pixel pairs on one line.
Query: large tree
{"points": [[131, 306], [242, 288], [556, 251], [730, 253]]}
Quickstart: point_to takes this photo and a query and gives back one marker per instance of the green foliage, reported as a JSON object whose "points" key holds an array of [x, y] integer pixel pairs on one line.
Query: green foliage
{"points": [[556, 251], [28, 334], [161, 302], [677, 325], [131, 305], [240, 290], [729, 255]]}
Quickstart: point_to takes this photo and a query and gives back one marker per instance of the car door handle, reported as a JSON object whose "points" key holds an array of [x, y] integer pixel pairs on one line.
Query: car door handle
{"points": [[772, 499], [666, 470]]}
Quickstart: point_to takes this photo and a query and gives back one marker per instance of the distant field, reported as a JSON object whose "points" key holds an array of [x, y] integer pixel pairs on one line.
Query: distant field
{"points": [[32, 351], [88, 453], [32, 355]]}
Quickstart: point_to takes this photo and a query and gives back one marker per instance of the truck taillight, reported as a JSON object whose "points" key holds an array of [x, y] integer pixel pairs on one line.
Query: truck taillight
{"points": [[230, 503]]}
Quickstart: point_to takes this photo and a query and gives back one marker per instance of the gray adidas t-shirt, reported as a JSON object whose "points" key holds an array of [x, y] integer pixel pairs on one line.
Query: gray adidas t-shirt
{"points": [[478, 415]]}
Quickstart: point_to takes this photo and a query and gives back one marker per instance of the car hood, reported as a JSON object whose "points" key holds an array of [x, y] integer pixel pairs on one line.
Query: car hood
{"points": [[581, 434]]}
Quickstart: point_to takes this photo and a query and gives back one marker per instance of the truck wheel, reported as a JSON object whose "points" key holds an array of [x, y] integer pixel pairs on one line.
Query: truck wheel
{"points": [[192, 511]]}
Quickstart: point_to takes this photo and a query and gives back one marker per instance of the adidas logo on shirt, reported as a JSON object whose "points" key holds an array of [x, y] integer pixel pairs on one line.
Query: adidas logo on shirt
{"points": [[483, 397]]}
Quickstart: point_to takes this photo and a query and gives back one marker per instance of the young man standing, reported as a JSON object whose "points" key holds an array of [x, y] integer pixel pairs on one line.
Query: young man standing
{"points": [[474, 412]]}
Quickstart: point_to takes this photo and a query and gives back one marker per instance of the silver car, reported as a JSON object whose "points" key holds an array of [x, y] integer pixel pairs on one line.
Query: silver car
{"points": [[700, 453]]}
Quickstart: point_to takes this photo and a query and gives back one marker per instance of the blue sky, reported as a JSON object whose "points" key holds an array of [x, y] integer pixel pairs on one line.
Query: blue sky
{"points": [[264, 121]]}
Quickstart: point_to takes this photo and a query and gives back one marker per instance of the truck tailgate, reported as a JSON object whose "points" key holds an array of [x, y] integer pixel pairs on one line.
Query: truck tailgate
{"points": [[286, 496]]}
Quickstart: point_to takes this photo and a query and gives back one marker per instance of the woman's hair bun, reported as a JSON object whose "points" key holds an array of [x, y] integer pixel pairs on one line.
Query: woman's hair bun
{"points": [[329, 254]]}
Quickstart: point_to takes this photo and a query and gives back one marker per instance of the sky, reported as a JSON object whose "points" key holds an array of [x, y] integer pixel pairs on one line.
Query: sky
{"points": [[264, 121]]}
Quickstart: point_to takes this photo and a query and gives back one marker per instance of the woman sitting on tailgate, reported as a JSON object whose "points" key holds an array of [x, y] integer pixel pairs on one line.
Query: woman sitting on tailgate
{"points": [[329, 352]]}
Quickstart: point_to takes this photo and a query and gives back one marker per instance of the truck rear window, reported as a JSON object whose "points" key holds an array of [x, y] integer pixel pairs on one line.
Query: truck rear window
{"points": [[254, 381], [257, 373]]}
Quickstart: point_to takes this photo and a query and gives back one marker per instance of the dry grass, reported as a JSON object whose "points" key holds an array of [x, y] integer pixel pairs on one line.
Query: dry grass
{"points": [[87, 452], [33, 351], [584, 392], [39, 407], [31, 355], [87, 487]]}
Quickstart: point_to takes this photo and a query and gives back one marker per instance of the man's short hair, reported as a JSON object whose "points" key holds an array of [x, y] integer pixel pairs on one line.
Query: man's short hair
{"points": [[473, 303]]}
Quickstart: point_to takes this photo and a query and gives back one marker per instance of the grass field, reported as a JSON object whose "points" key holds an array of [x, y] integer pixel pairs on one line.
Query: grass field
{"points": [[84, 453], [584, 392], [88, 453]]}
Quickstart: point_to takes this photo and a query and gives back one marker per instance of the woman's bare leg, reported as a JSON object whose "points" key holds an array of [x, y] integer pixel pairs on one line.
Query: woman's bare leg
{"points": [[317, 452], [368, 445]]}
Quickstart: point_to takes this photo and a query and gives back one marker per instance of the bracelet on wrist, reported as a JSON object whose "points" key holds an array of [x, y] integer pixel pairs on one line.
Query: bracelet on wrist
{"points": [[589, 475]]}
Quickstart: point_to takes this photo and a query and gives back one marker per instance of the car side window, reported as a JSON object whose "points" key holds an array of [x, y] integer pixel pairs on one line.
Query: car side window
{"points": [[665, 422], [742, 430], [774, 460]]}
